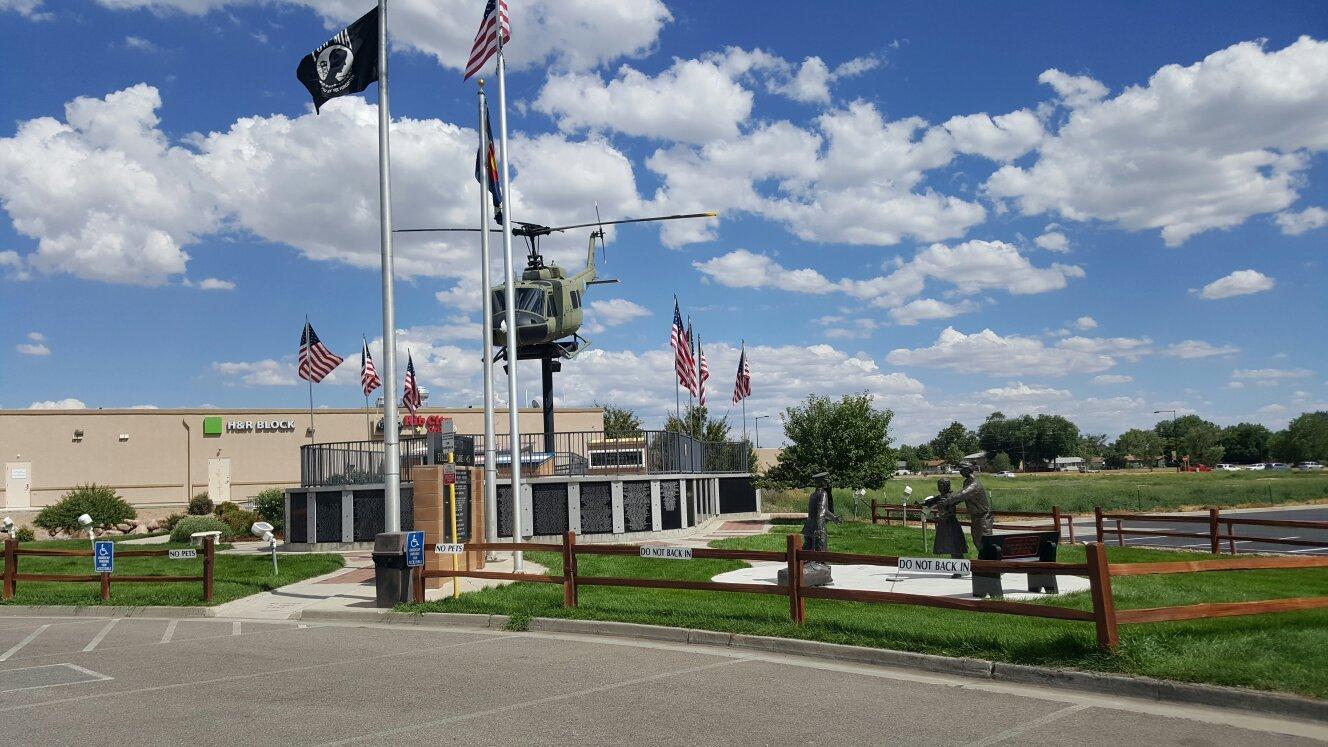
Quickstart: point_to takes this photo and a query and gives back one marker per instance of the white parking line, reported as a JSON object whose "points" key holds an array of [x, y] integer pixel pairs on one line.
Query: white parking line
{"points": [[235, 628], [92, 645], [18, 646], [170, 631]]}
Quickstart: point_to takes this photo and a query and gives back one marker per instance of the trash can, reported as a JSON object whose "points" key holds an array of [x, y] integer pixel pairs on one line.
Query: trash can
{"points": [[391, 574]]}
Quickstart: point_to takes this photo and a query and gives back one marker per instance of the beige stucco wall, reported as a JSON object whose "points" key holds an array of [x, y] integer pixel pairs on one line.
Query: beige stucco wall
{"points": [[149, 467]]}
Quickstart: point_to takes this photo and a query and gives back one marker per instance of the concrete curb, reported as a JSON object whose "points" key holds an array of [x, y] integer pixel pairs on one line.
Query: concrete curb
{"points": [[1147, 688], [26, 610]]}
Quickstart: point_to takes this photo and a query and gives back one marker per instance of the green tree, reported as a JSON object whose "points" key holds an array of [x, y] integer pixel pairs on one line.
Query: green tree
{"points": [[1136, 442], [1053, 436], [1093, 445], [957, 436], [925, 453], [620, 422], [848, 438], [1246, 443], [909, 456], [954, 456], [1305, 439], [697, 423], [1000, 462], [1201, 442]]}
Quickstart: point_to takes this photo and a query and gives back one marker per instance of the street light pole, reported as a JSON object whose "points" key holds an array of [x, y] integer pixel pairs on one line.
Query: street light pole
{"points": [[758, 429]]}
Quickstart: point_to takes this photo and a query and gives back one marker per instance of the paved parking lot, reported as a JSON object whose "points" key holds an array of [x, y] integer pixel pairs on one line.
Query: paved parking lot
{"points": [[147, 681]]}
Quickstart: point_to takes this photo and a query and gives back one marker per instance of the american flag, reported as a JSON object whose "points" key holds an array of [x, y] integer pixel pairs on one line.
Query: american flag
{"points": [[410, 396], [742, 383], [683, 363], [316, 361], [369, 380], [486, 40], [704, 372]]}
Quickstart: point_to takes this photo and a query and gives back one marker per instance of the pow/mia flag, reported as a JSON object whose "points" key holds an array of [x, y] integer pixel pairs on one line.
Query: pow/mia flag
{"points": [[347, 63]]}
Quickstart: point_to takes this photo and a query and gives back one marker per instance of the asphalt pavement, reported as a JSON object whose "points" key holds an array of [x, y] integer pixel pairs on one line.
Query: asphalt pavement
{"points": [[215, 681], [1084, 530]]}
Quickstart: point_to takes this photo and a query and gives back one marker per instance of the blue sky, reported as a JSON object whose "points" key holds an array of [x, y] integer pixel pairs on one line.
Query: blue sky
{"points": [[1032, 208]]}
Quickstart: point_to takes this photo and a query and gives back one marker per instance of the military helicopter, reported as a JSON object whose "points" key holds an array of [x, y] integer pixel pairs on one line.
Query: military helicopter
{"points": [[549, 302]]}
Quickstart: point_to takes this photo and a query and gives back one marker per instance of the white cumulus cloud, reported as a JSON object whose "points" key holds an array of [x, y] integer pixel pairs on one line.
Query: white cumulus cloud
{"points": [[1238, 283], [59, 404], [1294, 224]]}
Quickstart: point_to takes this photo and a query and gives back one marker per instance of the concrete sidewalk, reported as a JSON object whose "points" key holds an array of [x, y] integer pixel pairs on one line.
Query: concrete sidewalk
{"points": [[351, 587]]}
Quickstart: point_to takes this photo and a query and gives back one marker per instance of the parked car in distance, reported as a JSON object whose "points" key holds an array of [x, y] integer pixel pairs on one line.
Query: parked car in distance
{"points": [[903, 472], [1276, 466], [1309, 466], [1254, 467], [1228, 468], [1006, 473], [1199, 468]]}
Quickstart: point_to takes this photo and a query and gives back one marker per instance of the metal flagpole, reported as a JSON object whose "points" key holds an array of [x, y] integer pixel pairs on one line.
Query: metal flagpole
{"points": [[490, 455], [513, 406], [309, 343], [391, 444]]}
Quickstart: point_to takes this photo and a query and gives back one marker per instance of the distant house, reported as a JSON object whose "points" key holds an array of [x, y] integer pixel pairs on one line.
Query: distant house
{"points": [[1067, 463], [978, 460], [1136, 462]]}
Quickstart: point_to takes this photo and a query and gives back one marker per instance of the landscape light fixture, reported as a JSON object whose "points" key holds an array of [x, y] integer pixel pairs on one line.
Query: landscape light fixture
{"points": [[10, 529], [263, 531], [85, 521]]}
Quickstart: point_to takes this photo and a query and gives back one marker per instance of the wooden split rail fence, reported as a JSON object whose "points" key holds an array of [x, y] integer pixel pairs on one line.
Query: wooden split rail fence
{"points": [[1215, 528], [14, 550], [1097, 570], [1057, 519]]}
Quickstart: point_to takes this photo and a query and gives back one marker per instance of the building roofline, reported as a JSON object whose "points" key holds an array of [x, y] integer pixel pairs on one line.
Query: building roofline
{"points": [[282, 411]]}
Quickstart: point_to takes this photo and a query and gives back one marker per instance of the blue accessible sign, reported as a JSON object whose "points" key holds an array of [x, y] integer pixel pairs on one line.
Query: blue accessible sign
{"points": [[414, 549], [103, 556]]}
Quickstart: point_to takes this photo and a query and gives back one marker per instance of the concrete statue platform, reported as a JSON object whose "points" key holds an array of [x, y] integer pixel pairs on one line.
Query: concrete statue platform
{"points": [[882, 578]]}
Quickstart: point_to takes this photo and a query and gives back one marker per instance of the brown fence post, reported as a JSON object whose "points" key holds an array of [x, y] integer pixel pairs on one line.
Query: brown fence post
{"points": [[11, 566], [1120, 534], [1056, 522], [1213, 525], [105, 587], [1097, 520], [1104, 605], [1231, 536], [209, 566], [873, 510], [569, 569], [797, 610]]}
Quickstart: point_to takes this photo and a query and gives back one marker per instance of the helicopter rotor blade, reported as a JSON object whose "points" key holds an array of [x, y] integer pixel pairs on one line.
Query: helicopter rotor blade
{"points": [[636, 220], [439, 230]]}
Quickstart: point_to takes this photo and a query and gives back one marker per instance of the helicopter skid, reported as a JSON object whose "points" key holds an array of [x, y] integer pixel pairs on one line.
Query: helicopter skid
{"points": [[564, 350]]}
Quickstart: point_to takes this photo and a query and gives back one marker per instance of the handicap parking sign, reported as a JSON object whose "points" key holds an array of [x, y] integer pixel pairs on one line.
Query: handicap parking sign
{"points": [[414, 549], [103, 556]]}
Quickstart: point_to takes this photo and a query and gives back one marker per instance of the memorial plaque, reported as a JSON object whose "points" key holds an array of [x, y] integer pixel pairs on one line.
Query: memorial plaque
{"points": [[596, 508], [462, 486], [636, 506], [369, 514], [298, 531], [549, 504], [504, 511], [669, 505], [327, 516]]}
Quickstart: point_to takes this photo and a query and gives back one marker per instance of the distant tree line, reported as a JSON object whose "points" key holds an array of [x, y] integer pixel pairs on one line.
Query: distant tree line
{"points": [[1034, 441]]}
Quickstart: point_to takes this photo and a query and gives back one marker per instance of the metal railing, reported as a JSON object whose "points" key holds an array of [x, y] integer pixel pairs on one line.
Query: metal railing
{"points": [[574, 454], [581, 453], [354, 462]]}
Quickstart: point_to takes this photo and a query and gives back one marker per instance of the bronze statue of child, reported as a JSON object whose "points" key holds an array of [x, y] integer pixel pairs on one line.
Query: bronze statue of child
{"points": [[949, 532]]}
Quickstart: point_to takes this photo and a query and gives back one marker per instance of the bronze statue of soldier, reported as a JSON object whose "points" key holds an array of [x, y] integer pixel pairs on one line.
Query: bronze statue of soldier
{"points": [[974, 497], [820, 511]]}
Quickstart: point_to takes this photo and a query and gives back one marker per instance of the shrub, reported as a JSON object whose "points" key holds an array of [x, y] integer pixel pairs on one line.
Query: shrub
{"points": [[239, 522], [25, 534], [170, 521], [225, 507], [270, 505], [190, 524], [200, 505], [100, 502]]}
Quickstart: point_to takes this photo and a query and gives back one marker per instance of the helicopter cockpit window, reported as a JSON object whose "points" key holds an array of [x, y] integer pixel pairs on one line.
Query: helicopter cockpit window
{"points": [[576, 299], [530, 299]]}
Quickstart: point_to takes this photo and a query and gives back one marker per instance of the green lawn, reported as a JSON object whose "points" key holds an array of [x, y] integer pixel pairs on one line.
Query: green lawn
{"points": [[1133, 490], [1286, 652], [235, 576]]}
